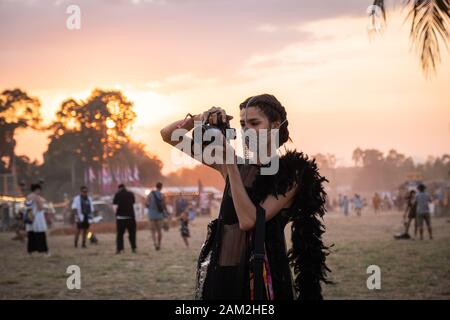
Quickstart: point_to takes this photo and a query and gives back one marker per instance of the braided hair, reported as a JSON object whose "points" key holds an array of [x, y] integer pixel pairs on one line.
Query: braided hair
{"points": [[272, 109]]}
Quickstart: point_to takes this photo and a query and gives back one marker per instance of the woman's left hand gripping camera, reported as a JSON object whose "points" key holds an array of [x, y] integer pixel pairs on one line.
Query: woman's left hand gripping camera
{"points": [[215, 125]]}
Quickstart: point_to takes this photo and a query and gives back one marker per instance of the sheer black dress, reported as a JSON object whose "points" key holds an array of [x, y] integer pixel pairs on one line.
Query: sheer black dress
{"points": [[224, 269]]}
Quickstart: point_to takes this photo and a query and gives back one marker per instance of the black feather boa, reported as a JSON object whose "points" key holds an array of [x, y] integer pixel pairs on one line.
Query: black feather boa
{"points": [[308, 253]]}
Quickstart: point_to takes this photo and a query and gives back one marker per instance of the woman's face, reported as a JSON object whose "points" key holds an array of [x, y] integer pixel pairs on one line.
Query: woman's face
{"points": [[254, 118]]}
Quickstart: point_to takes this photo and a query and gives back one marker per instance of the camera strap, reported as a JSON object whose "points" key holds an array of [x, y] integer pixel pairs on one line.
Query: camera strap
{"points": [[258, 253], [183, 122]]}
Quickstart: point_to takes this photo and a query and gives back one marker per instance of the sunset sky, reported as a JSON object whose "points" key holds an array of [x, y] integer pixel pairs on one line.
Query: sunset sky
{"points": [[341, 89]]}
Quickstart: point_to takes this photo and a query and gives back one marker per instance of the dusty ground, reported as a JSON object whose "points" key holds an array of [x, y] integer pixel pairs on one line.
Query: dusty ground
{"points": [[409, 268]]}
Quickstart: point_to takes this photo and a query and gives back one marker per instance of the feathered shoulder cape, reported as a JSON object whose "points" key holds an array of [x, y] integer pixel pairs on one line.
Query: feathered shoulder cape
{"points": [[307, 254]]}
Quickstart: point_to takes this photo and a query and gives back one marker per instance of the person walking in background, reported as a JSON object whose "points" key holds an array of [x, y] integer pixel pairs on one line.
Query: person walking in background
{"points": [[376, 202], [386, 203], [19, 225], [423, 200], [439, 202], [334, 204], [340, 202], [358, 204], [180, 205], [82, 209], [156, 213], [410, 213], [204, 204], [184, 227], [125, 218], [191, 212], [6, 221], [432, 204], [35, 223], [446, 203], [345, 204]]}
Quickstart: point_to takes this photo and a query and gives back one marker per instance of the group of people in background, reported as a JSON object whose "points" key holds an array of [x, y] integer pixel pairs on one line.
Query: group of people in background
{"points": [[356, 203], [417, 210], [387, 201], [34, 219], [35, 222], [123, 203], [418, 206]]}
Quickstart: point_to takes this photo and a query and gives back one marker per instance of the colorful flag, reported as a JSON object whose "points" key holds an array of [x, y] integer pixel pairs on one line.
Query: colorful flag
{"points": [[117, 175], [136, 173], [91, 175], [130, 177]]}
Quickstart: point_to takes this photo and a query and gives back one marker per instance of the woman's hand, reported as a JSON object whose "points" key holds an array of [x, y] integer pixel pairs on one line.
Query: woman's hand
{"points": [[213, 116], [210, 116]]}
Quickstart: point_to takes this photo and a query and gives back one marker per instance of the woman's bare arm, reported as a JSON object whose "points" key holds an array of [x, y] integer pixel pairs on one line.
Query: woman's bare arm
{"points": [[245, 209], [167, 131]]}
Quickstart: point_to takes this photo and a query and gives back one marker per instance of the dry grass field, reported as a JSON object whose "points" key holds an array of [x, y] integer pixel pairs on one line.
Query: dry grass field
{"points": [[410, 269]]}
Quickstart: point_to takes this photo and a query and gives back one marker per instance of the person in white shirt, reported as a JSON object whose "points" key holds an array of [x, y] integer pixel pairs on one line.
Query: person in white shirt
{"points": [[82, 209]]}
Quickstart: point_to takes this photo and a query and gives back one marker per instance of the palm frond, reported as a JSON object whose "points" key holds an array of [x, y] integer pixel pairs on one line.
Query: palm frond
{"points": [[380, 4], [377, 18], [430, 24]]}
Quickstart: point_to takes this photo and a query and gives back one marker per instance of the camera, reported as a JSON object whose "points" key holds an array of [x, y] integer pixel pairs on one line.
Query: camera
{"points": [[206, 133]]}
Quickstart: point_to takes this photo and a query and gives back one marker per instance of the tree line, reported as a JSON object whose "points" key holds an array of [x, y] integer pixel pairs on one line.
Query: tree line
{"points": [[90, 143]]}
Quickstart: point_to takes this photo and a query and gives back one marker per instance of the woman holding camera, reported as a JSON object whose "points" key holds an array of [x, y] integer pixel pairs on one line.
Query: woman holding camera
{"points": [[244, 255]]}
